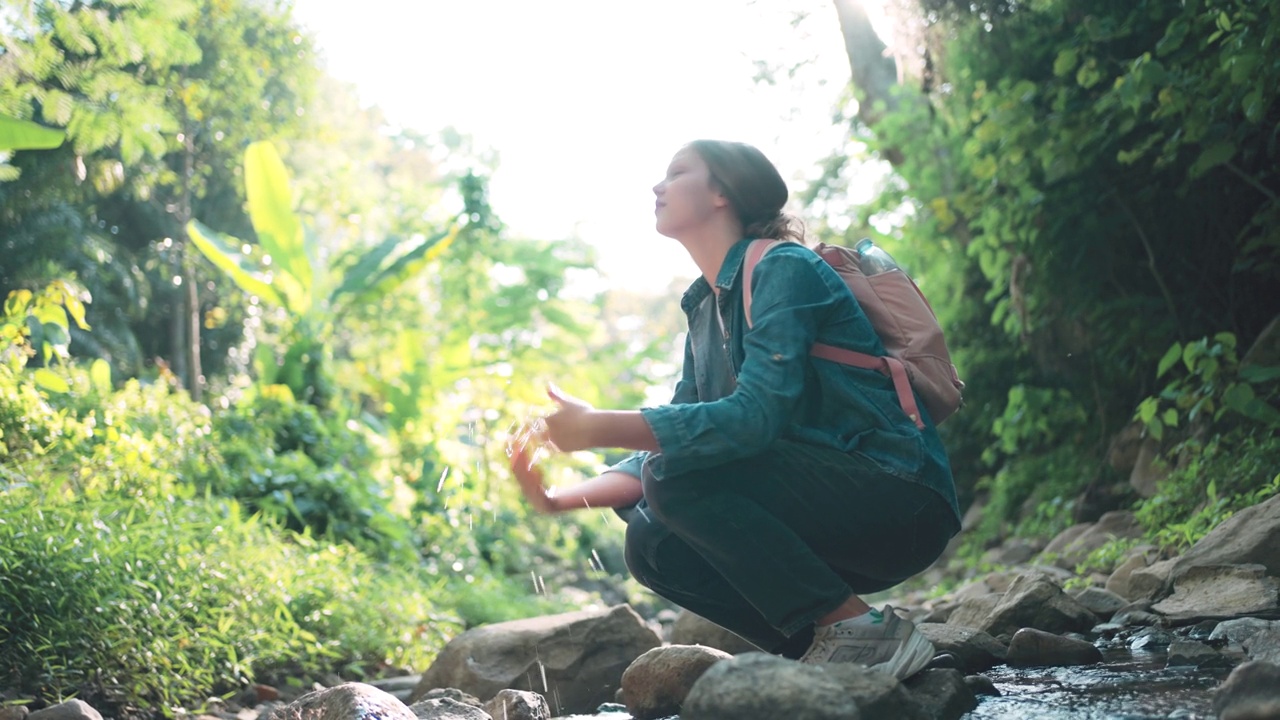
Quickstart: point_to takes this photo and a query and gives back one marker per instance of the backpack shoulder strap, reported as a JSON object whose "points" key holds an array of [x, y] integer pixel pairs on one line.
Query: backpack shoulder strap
{"points": [[755, 251]]}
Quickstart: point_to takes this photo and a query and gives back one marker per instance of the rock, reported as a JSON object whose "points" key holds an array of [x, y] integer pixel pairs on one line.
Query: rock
{"points": [[1250, 692], [877, 695], [1123, 451], [518, 705], [974, 611], [656, 684], [1102, 603], [1035, 601], [691, 629], [1220, 591], [400, 687], [1250, 537], [1150, 640], [981, 685], [1194, 654], [1138, 618], [1236, 632], [452, 694], [69, 710], [1073, 545], [941, 613], [1149, 583], [1264, 646], [943, 693], [14, 712], [443, 708], [1013, 551], [1118, 580], [348, 701], [575, 660], [757, 685], [975, 650], [1031, 647], [1149, 469]]}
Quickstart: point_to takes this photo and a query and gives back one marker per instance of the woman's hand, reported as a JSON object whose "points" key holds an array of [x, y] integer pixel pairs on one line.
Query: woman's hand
{"points": [[570, 427], [529, 477]]}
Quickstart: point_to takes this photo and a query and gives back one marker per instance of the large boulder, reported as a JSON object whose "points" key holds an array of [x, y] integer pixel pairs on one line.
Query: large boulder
{"points": [[656, 684], [575, 659], [974, 650], [1250, 537], [1209, 591], [756, 685], [348, 701], [1034, 601], [1250, 692], [1074, 544]]}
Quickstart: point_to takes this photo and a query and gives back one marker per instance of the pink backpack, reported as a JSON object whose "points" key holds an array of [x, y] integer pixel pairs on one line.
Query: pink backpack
{"points": [[903, 319]]}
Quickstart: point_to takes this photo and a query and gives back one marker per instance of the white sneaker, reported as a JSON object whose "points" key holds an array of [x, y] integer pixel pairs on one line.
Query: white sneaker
{"points": [[888, 644]]}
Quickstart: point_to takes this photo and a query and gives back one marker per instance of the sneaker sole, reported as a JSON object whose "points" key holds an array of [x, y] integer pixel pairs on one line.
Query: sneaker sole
{"points": [[910, 659]]}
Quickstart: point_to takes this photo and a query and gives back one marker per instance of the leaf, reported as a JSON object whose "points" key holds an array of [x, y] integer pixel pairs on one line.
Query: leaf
{"points": [[217, 247], [23, 135], [1170, 417], [279, 230], [17, 302], [1065, 62], [100, 375], [1259, 373], [368, 279], [1238, 396], [50, 380], [1212, 156], [1170, 359]]}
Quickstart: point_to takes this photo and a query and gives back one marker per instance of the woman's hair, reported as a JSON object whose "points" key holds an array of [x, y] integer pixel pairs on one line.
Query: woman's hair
{"points": [[753, 186]]}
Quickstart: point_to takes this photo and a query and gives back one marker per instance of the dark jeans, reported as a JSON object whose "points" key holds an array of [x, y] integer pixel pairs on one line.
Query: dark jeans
{"points": [[766, 545]]}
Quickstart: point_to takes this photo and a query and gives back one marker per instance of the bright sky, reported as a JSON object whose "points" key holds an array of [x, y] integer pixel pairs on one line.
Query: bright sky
{"points": [[586, 100]]}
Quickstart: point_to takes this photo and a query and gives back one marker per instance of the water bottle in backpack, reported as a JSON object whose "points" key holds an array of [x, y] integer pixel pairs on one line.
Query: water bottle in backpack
{"points": [[872, 259]]}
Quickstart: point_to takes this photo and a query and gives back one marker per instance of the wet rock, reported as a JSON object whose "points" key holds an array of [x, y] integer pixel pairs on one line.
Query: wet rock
{"points": [[444, 708], [1138, 618], [975, 650], [348, 701], [656, 684], [691, 629], [1139, 558], [877, 695], [575, 660], [518, 705], [981, 685], [943, 693], [1102, 603], [1149, 583], [1073, 545], [400, 687], [1264, 646], [765, 686], [1035, 601], [1031, 647], [1202, 631], [1208, 591], [69, 710], [1237, 631], [1150, 640], [1250, 692], [1195, 654], [944, 661]]}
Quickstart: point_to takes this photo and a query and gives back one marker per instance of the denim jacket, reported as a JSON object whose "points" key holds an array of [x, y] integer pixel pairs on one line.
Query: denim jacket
{"points": [[741, 389]]}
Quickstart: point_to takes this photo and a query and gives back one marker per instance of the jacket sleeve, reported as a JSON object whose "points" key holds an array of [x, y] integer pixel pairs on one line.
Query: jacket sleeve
{"points": [[791, 299], [686, 392]]}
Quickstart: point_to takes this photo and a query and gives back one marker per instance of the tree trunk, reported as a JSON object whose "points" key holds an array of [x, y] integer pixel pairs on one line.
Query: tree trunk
{"points": [[874, 72]]}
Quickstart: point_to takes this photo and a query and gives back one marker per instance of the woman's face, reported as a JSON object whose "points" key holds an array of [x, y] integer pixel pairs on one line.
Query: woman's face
{"points": [[685, 198]]}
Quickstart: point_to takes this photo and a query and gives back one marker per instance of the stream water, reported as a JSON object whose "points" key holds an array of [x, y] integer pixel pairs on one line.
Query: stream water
{"points": [[1127, 686]]}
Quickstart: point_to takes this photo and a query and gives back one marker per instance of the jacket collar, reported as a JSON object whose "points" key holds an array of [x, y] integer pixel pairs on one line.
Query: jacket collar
{"points": [[728, 275]]}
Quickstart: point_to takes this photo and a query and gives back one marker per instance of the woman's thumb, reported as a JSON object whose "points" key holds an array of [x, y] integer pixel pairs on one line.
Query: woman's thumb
{"points": [[559, 396]]}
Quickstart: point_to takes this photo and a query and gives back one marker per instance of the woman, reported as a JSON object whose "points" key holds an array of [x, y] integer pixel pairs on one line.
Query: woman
{"points": [[775, 487]]}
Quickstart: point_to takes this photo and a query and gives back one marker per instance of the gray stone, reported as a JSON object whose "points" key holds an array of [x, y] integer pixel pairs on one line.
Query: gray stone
{"points": [[943, 693], [1035, 601], [452, 694], [14, 712], [1250, 537], [1102, 603], [1220, 591], [877, 695], [400, 687], [1149, 469], [1073, 545], [69, 710], [348, 701], [1237, 631], [1138, 618], [1031, 647], [1150, 582], [975, 650], [981, 685], [656, 684], [1250, 692], [1195, 654], [518, 705], [1150, 640], [444, 708], [974, 611], [693, 629], [1264, 646], [757, 685], [575, 660]]}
